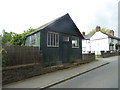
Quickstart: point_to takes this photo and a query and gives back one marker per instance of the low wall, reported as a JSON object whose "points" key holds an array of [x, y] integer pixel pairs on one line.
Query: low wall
{"points": [[117, 53], [16, 73], [88, 57], [104, 55], [19, 72]]}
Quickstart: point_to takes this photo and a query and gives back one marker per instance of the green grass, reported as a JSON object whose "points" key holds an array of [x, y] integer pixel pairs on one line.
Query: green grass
{"points": [[98, 56]]}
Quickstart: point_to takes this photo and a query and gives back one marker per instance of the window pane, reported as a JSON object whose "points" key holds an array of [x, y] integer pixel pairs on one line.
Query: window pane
{"points": [[57, 40], [52, 39], [75, 42], [33, 39]]}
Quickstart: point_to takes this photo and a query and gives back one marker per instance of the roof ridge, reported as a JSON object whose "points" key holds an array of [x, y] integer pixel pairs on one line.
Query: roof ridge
{"points": [[110, 35], [45, 25]]}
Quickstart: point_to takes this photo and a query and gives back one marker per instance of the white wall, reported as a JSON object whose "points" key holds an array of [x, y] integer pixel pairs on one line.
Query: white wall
{"points": [[98, 35], [86, 46], [99, 45], [99, 42]]}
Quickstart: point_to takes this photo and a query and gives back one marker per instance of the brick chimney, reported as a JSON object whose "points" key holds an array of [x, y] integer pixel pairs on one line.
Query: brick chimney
{"points": [[98, 28], [111, 32], [83, 33]]}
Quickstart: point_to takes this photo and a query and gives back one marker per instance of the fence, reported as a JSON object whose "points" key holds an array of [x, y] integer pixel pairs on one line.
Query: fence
{"points": [[25, 62], [18, 55], [26, 71]]}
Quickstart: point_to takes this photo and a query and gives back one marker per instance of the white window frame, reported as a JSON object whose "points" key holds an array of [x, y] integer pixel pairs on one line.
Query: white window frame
{"points": [[78, 42], [54, 39]]}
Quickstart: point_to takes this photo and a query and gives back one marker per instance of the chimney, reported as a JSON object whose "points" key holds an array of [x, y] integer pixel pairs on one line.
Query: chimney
{"points": [[98, 28], [111, 32], [83, 33]]}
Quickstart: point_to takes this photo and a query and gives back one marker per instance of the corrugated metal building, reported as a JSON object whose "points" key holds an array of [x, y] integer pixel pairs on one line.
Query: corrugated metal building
{"points": [[59, 40]]}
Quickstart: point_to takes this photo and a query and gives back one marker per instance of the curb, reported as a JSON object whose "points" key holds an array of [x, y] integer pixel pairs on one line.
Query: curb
{"points": [[72, 77]]}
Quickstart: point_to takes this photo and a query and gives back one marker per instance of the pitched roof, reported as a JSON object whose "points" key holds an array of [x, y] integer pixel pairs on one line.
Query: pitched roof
{"points": [[88, 36], [64, 22], [42, 27], [45, 25], [114, 37]]}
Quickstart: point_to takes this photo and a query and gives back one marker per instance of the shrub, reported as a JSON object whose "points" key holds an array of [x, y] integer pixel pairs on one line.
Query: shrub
{"points": [[98, 56], [5, 59]]}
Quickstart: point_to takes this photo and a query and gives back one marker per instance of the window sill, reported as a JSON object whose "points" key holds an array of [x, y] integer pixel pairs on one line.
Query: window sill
{"points": [[53, 46]]}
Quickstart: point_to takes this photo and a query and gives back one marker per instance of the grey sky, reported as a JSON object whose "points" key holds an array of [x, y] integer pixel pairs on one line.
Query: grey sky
{"points": [[19, 15]]}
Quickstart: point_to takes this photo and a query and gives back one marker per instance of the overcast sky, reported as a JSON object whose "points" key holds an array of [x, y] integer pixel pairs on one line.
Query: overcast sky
{"points": [[19, 15]]}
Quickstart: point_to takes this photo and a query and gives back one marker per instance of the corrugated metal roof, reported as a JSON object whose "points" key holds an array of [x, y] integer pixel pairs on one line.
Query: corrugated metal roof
{"points": [[43, 26], [57, 24]]}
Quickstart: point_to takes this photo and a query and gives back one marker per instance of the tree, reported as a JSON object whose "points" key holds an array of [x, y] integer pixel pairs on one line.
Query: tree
{"points": [[14, 38], [107, 31], [92, 32], [30, 30], [6, 37], [104, 30], [18, 39]]}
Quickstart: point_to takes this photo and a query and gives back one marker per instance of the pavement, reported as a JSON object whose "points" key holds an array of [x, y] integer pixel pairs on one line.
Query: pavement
{"points": [[50, 79]]}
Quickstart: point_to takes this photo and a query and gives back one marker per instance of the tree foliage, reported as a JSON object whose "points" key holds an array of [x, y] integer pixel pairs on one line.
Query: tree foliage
{"points": [[17, 39], [6, 37], [104, 30], [14, 38]]}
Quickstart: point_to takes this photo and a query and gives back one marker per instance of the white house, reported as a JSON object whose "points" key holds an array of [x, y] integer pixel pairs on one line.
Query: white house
{"points": [[86, 44], [100, 42]]}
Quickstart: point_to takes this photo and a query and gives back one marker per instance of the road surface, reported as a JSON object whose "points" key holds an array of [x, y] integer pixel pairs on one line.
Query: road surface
{"points": [[103, 77]]}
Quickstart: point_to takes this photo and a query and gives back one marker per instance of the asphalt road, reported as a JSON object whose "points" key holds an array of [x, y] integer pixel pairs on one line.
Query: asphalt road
{"points": [[103, 77]]}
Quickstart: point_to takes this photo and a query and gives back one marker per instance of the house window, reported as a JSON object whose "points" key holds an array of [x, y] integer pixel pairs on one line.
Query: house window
{"points": [[52, 39], [111, 47], [33, 39], [75, 42], [84, 49], [66, 38], [116, 46]]}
